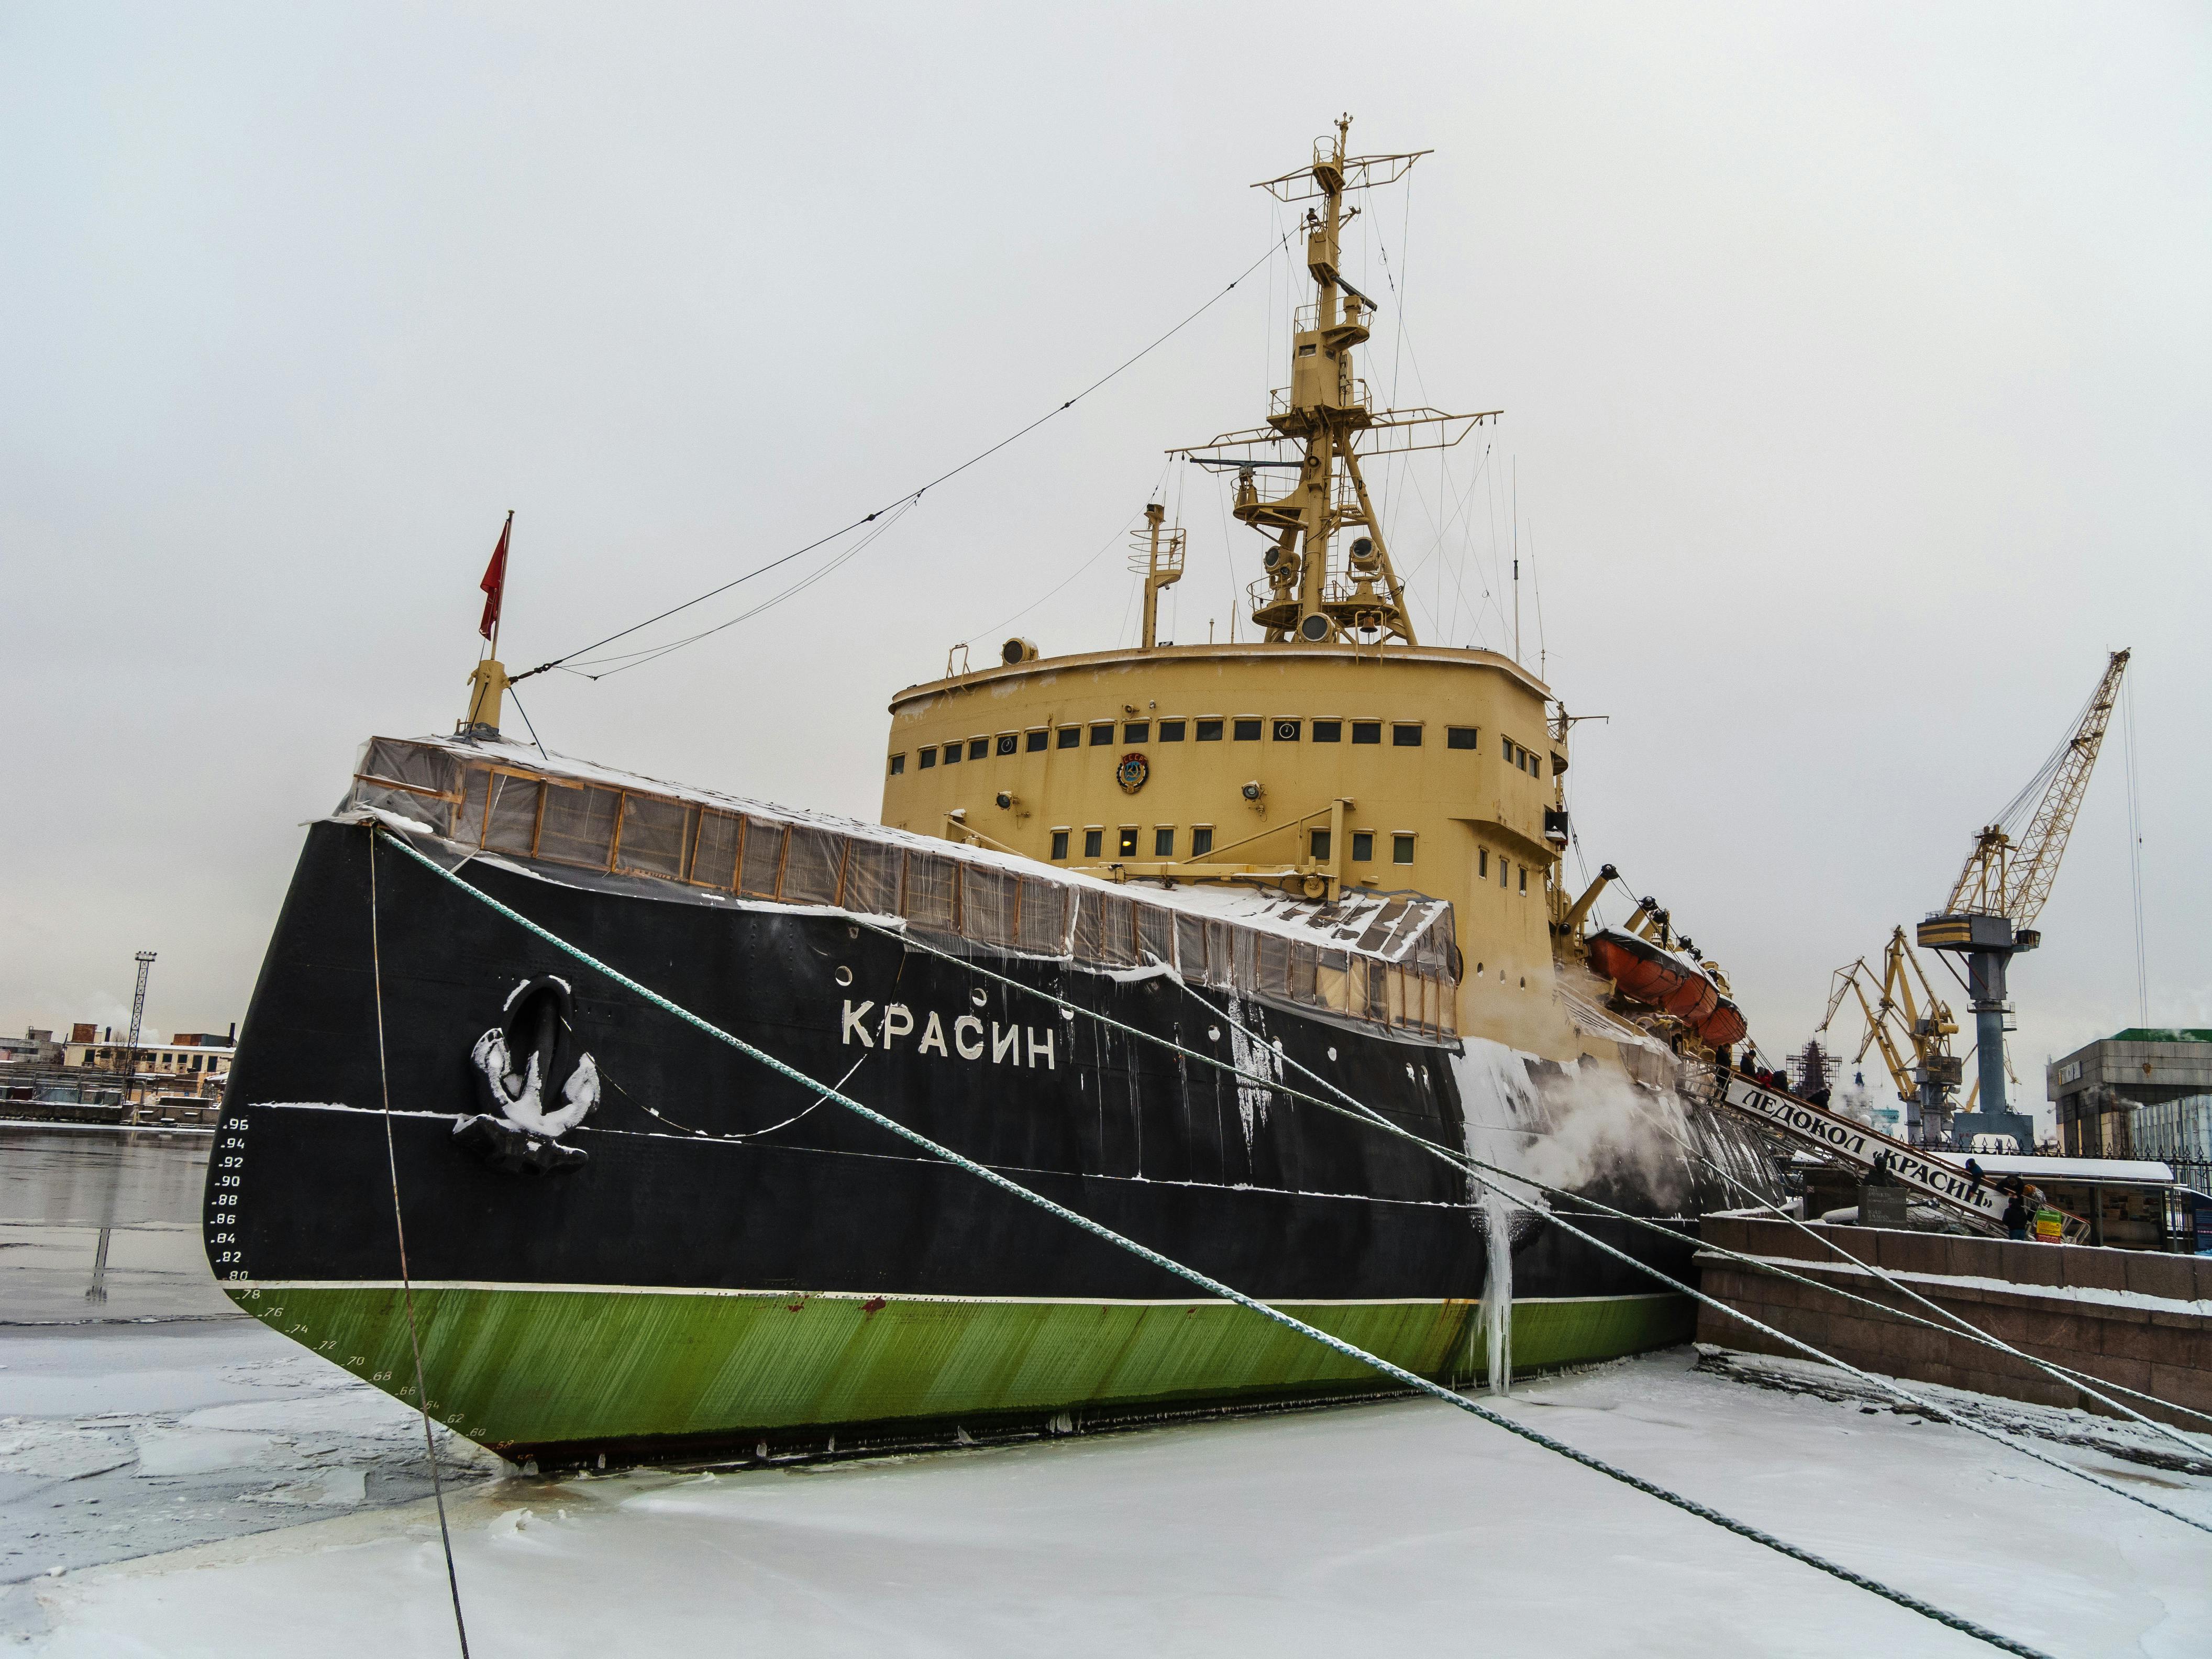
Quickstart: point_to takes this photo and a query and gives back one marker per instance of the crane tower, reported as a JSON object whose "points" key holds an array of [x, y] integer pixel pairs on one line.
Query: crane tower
{"points": [[1989, 916]]}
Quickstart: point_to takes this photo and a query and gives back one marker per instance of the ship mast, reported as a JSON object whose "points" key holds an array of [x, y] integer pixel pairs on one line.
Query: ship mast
{"points": [[1308, 594]]}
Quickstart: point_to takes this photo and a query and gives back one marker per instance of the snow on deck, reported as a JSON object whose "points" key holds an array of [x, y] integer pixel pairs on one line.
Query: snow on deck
{"points": [[1377, 923], [1996, 1165]]}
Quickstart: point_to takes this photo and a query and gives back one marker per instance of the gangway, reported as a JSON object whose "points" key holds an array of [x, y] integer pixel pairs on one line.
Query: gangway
{"points": [[1846, 1141]]}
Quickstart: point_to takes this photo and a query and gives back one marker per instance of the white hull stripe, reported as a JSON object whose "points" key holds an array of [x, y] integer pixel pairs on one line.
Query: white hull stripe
{"points": [[267, 1285]]}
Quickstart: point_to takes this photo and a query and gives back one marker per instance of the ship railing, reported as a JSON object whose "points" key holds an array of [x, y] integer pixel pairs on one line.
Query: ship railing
{"points": [[1402, 972], [1305, 319], [1278, 399]]}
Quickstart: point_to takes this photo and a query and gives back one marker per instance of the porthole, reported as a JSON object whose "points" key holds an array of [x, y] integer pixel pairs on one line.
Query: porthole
{"points": [[977, 996], [844, 976]]}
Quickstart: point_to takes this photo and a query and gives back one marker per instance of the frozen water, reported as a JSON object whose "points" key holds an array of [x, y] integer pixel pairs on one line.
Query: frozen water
{"points": [[137, 1453], [156, 1415], [1399, 1528]]}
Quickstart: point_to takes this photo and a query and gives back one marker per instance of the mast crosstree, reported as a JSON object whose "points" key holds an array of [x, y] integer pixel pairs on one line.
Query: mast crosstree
{"points": [[1310, 593]]}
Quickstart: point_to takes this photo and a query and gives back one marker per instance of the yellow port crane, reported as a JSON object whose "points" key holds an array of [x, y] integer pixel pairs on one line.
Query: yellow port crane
{"points": [[1913, 1028], [1988, 918]]}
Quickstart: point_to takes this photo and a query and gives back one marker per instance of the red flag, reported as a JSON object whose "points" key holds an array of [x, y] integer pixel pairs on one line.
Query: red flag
{"points": [[495, 581]]}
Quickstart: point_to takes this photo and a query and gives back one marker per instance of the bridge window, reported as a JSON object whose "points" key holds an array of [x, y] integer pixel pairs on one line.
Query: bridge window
{"points": [[1209, 731], [898, 764], [978, 747], [1405, 737], [1246, 731], [1102, 733], [1163, 840], [1363, 846], [1201, 840], [1367, 731], [1524, 877], [927, 759], [1463, 736], [1172, 731], [1071, 736], [1328, 731], [1094, 843], [952, 753], [1059, 844], [1038, 740], [1128, 840], [1137, 731]]}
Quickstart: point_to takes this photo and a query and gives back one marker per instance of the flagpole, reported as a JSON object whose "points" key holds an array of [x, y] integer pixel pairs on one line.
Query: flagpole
{"points": [[490, 678], [507, 541]]}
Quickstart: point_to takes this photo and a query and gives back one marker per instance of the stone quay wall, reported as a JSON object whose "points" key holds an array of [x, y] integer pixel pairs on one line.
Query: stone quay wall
{"points": [[2136, 1318]]}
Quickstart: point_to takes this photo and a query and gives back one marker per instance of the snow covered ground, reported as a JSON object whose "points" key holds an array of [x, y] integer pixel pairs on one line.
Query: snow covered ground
{"points": [[208, 1488], [1395, 1527]]}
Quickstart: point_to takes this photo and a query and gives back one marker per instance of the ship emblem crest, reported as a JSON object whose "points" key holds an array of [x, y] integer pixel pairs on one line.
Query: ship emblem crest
{"points": [[1132, 772]]}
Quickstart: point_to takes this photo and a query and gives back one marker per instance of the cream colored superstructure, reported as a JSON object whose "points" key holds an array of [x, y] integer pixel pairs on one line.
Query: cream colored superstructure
{"points": [[1465, 824], [1336, 752]]}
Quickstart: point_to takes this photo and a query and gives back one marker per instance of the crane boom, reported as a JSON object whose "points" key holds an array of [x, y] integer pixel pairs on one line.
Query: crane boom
{"points": [[2012, 878], [2002, 888]]}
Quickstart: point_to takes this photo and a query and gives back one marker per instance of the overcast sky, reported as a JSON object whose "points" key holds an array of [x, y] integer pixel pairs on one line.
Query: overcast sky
{"points": [[1855, 365]]}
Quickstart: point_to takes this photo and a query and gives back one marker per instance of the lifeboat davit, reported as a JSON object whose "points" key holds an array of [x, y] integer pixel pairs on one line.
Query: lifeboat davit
{"points": [[1644, 973], [1724, 1027]]}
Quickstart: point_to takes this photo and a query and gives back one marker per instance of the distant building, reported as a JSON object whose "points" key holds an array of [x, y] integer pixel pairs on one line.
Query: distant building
{"points": [[192, 1062], [2102, 1091], [36, 1047]]}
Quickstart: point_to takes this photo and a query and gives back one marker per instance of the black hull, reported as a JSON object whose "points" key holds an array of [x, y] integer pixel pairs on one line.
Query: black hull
{"points": [[1285, 1201]]}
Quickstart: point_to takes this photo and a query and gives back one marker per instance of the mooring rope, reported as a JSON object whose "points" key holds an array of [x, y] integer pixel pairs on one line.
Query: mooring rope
{"points": [[406, 1280], [1213, 1286], [1959, 1327], [1475, 1169]]}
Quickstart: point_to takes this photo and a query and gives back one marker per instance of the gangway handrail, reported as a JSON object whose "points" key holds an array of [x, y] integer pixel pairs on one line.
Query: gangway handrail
{"points": [[1835, 1136]]}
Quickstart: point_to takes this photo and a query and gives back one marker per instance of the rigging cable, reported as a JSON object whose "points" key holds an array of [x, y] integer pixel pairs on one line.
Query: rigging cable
{"points": [[526, 720], [1473, 1166], [1360, 1112], [2135, 847], [1126, 526], [399, 1228], [1215, 1287], [914, 496], [1959, 1325], [638, 658]]}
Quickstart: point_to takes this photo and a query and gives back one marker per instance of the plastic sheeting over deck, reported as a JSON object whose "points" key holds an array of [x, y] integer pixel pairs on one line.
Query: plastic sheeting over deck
{"points": [[1383, 959]]}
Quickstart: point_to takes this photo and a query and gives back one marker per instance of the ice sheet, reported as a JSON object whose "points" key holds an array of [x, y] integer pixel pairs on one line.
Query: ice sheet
{"points": [[1395, 1529]]}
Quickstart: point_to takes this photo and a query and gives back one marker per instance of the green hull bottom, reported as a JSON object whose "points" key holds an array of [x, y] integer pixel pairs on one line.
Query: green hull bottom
{"points": [[560, 1374]]}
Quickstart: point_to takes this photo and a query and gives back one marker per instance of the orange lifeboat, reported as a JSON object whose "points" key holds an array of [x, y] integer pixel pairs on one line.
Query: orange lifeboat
{"points": [[1660, 979], [1724, 1027]]}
